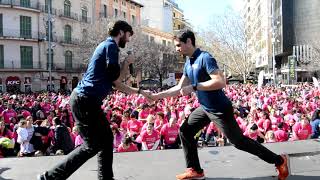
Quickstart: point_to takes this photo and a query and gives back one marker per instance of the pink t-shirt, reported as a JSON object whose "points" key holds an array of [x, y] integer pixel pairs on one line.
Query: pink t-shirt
{"points": [[211, 128], [251, 135], [302, 132], [124, 125], [7, 114], [78, 141], [281, 135], [150, 139], [143, 114], [134, 127], [131, 148], [170, 133]]}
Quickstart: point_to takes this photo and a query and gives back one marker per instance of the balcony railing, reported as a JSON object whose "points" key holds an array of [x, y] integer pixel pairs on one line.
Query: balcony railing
{"points": [[85, 19], [10, 65], [32, 4], [69, 15], [44, 9], [17, 34], [62, 67], [71, 41]]}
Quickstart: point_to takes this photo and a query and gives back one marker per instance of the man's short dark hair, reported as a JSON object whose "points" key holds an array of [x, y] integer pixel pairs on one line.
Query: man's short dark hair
{"points": [[120, 26], [184, 34]]}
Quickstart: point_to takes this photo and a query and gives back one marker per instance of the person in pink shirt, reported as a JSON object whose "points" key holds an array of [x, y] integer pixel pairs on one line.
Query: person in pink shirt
{"points": [[117, 136], [159, 122], [143, 114], [124, 122], [212, 131], [127, 145], [8, 113], [170, 135], [253, 133], [281, 135], [134, 126], [150, 138], [149, 120], [302, 130], [270, 137]]}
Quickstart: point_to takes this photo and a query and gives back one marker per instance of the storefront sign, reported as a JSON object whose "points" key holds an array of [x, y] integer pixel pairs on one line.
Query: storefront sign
{"points": [[13, 80]]}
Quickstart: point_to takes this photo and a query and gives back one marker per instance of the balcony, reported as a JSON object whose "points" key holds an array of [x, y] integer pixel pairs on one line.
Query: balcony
{"points": [[85, 19], [62, 67], [68, 15], [28, 5], [67, 41], [44, 9], [10, 66], [16, 34]]}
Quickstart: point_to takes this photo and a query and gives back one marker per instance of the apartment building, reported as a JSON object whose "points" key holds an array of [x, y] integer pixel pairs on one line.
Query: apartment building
{"points": [[24, 64]]}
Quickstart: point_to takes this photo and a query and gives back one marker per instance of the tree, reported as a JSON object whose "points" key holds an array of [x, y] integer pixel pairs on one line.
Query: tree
{"points": [[228, 40], [153, 59]]}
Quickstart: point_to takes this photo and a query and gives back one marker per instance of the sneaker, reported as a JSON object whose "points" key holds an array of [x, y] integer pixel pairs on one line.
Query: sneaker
{"points": [[190, 174], [284, 168]]}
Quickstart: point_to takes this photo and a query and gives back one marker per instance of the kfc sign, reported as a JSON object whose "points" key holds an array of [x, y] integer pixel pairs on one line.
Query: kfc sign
{"points": [[12, 80]]}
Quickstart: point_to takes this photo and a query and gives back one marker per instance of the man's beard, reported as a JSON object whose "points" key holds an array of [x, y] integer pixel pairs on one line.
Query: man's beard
{"points": [[122, 42]]}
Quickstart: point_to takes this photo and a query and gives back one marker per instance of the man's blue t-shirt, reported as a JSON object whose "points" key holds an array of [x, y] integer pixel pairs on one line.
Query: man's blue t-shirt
{"points": [[198, 69], [96, 82]]}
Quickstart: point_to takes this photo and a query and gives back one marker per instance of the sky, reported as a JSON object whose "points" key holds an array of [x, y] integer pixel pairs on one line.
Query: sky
{"points": [[200, 12]]}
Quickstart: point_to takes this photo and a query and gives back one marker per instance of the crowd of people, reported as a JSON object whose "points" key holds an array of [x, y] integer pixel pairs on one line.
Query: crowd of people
{"points": [[42, 124]]}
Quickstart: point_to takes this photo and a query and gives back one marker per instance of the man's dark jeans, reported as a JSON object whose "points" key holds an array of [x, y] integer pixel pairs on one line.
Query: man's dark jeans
{"points": [[97, 135], [199, 118]]}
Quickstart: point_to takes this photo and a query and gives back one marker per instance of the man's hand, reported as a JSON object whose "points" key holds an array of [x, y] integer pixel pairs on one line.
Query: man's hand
{"points": [[186, 90]]}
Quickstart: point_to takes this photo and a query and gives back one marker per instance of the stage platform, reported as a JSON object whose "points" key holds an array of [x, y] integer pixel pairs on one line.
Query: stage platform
{"points": [[219, 163]]}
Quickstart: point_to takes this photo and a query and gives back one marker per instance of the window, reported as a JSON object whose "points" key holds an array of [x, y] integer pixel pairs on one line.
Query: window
{"points": [[1, 57], [179, 27], [115, 12], [67, 34], [1, 26], [124, 15], [25, 3], [116, 1], [174, 14], [68, 60], [46, 5], [26, 57], [67, 8], [164, 42], [133, 7], [84, 34], [133, 20], [25, 27], [104, 11], [84, 14], [49, 60], [151, 39], [124, 3]]}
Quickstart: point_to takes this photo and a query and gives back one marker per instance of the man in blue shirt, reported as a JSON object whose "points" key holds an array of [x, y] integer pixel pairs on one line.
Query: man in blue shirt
{"points": [[201, 75], [102, 73]]}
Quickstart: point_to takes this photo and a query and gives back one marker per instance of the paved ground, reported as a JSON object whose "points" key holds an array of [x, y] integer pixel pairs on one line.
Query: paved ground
{"points": [[221, 163]]}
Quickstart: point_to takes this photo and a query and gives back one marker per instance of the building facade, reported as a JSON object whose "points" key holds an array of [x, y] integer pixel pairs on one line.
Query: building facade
{"points": [[257, 28], [279, 29]]}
